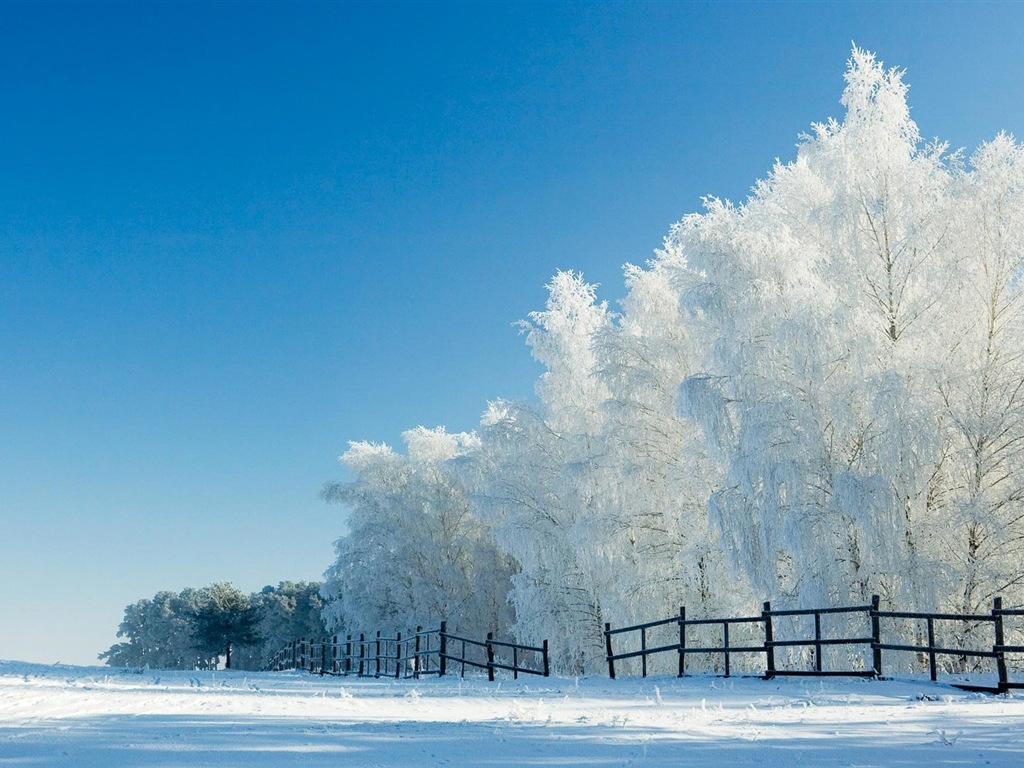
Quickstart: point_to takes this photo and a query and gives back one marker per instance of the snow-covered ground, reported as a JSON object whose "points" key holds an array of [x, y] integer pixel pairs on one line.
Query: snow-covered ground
{"points": [[91, 717]]}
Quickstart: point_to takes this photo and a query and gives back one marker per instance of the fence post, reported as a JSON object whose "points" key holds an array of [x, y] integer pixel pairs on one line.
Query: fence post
{"points": [[876, 637], [416, 654], [608, 649], [769, 640], [376, 669], [490, 657], [302, 653], [931, 648], [398, 654], [442, 651], [295, 658], [817, 641], [362, 653], [323, 656], [348, 654], [544, 653], [682, 640], [997, 616], [643, 652], [335, 669], [725, 644]]}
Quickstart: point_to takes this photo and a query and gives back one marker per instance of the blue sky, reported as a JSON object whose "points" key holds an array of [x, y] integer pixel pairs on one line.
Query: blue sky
{"points": [[235, 236]]}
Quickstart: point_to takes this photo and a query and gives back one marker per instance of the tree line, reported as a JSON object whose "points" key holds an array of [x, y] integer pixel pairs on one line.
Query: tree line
{"points": [[197, 628], [813, 395]]}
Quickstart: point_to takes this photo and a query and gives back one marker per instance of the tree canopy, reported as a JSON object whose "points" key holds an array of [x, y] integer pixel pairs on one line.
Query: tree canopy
{"points": [[815, 394], [196, 628]]}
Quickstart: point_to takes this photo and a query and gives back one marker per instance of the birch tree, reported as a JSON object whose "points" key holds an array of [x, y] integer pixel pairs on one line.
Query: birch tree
{"points": [[415, 552]]}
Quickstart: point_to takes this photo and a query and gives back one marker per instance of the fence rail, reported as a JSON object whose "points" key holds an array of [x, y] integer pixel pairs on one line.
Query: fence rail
{"points": [[770, 637], [421, 653], [871, 638]]}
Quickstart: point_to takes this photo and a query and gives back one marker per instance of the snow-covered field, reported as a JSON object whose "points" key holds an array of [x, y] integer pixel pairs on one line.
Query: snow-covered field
{"points": [[77, 716]]}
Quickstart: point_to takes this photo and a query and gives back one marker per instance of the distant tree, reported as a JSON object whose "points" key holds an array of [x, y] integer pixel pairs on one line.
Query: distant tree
{"points": [[193, 628], [286, 612], [415, 553], [224, 617], [160, 633]]}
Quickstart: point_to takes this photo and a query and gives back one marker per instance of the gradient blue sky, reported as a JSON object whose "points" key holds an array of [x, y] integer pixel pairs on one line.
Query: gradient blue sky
{"points": [[235, 236]]}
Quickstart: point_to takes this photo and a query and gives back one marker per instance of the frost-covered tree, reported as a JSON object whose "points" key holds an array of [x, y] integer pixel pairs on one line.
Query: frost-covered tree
{"points": [[283, 613], [159, 633], [415, 552], [656, 473], [534, 481], [223, 617], [981, 383], [599, 490], [847, 314], [196, 628], [812, 396], [810, 302]]}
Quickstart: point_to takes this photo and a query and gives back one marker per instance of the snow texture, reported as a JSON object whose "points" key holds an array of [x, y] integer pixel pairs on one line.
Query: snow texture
{"points": [[92, 717]]}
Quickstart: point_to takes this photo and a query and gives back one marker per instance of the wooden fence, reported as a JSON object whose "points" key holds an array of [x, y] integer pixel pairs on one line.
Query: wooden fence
{"points": [[867, 626], [420, 653]]}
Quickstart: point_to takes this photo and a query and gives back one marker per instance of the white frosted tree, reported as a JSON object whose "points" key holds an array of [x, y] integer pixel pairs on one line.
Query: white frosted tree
{"points": [[860, 379], [811, 396], [814, 301], [599, 490], [981, 384], [533, 479], [289, 611], [415, 553], [160, 633], [655, 471]]}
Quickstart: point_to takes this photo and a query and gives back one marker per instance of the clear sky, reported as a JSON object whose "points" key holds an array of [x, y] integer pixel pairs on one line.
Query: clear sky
{"points": [[235, 236]]}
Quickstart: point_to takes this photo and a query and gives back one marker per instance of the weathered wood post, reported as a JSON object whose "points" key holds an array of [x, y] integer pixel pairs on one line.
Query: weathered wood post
{"points": [[997, 621], [376, 669], [490, 657], [725, 645], [348, 654], [544, 653], [643, 652], [769, 640], [682, 640], [931, 648], [442, 650], [398, 655], [335, 666], [876, 637], [295, 657], [362, 653], [323, 656], [817, 641], [416, 655], [608, 649]]}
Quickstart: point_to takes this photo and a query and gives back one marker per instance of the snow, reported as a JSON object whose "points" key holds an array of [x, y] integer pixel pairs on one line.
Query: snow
{"points": [[61, 715]]}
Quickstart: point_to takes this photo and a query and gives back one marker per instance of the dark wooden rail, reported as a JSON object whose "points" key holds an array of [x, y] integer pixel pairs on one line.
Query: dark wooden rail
{"points": [[819, 642], [871, 639], [487, 660], [424, 652]]}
